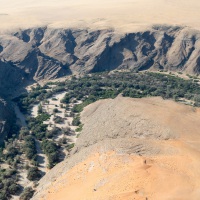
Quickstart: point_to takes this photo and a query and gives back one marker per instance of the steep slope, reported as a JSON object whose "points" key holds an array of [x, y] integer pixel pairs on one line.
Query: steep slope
{"points": [[11, 78], [46, 53], [130, 149], [7, 118]]}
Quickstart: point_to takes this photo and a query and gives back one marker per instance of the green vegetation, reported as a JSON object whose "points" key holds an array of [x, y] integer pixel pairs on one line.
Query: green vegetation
{"points": [[70, 146], [10, 156], [33, 174], [58, 120], [8, 184], [50, 134], [23, 133], [27, 194], [87, 89], [129, 84], [76, 121], [40, 110], [197, 100], [30, 148], [37, 127], [55, 110], [79, 129], [51, 150]]}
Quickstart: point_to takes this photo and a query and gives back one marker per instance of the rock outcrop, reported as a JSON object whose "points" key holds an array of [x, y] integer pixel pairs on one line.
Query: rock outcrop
{"points": [[7, 118], [47, 53], [35, 54]]}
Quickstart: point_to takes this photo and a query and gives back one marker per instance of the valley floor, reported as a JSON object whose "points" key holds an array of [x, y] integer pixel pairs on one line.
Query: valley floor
{"points": [[53, 103]]}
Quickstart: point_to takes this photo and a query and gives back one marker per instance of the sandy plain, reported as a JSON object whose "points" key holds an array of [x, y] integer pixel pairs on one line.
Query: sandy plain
{"points": [[122, 15]]}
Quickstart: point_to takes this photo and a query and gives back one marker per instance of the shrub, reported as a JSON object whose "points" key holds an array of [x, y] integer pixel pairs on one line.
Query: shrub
{"points": [[8, 185], [66, 131], [51, 150], [80, 128], [40, 109], [27, 194], [55, 131], [13, 188], [197, 100], [33, 174], [70, 146], [55, 110], [23, 132], [30, 148], [76, 121], [66, 99], [58, 120]]}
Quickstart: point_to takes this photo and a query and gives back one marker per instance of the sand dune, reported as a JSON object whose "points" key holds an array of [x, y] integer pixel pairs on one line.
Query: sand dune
{"points": [[123, 15]]}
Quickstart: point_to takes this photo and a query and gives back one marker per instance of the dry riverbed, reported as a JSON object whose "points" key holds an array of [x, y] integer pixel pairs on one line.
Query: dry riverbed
{"points": [[48, 105]]}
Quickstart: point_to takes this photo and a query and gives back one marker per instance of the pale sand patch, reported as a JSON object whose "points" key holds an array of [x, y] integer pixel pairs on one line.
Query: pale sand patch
{"points": [[34, 111], [55, 102], [123, 15]]}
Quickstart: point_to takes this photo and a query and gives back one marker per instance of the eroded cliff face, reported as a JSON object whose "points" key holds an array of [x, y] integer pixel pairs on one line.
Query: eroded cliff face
{"points": [[7, 118], [11, 80], [46, 53], [31, 55]]}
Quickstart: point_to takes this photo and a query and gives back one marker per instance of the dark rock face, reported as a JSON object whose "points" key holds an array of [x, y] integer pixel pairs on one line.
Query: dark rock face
{"points": [[45, 53], [10, 78], [7, 118]]}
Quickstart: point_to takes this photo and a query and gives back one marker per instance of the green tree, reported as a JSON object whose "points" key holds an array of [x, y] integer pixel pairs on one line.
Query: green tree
{"points": [[40, 109], [27, 194], [33, 174]]}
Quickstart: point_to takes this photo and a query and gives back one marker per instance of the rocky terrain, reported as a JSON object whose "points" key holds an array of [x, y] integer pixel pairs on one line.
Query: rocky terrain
{"points": [[125, 148], [130, 149], [7, 118], [44, 53], [47, 53]]}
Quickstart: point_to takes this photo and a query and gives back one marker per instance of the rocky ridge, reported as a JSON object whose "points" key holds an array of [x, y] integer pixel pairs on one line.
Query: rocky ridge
{"points": [[44, 53], [47, 53]]}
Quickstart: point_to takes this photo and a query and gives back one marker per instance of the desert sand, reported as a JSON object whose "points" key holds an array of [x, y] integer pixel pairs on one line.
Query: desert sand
{"points": [[122, 15], [153, 156]]}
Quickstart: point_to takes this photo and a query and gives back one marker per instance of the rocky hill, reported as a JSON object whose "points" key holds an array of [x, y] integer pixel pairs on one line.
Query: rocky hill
{"points": [[36, 54], [46, 53], [130, 149], [141, 133], [121, 148]]}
